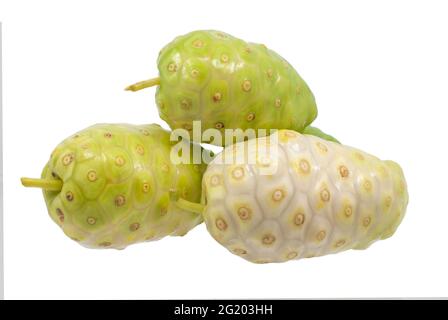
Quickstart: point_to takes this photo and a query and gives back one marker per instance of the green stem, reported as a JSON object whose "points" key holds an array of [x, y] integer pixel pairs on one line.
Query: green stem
{"points": [[320, 134], [47, 184], [190, 206], [143, 84]]}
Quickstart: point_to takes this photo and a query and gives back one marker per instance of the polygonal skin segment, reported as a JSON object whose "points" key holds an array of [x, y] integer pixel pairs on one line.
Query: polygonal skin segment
{"points": [[225, 82], [118, 183], [323, 198]]}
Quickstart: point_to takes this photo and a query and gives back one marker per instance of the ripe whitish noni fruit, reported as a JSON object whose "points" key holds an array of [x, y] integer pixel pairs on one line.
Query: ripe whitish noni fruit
{"points": [[300, 197], [226, 82], [112, 185]]}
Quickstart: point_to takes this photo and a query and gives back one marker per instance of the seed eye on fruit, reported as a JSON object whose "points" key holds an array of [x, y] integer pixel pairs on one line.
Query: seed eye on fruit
{"points": [[238, 173], [299, 219], [221, 224], [343, 171], [134, 227], [250, 116], [367, 185], [120, 200], [304, 166], [146, 187], [278, 103], [292, 255], [219, 125], [67, 159], [215, 180], [140, 149], [244, 213], [91, 176], [194, 73], [224, 58], [185, 104], [388, 201], [321, 235], [120, 161], [108, 135], [91, 220], [325, 195], [172, 67], [239, 251], [60, 215], [268, 239], [348, 211], [69, 196], [340, 243], [366, 221], [264, 161], [246, 85], [278, 195], [322, 147], [198, 43], [217, 97]]}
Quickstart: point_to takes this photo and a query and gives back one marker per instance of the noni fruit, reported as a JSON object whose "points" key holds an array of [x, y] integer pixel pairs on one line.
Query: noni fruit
{"points": [[300, 196], [112, 185], [226, 82]]}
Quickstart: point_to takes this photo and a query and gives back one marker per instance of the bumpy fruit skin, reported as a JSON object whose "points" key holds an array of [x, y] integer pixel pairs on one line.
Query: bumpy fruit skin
{"points": [[323, 198], [228, 83], [116, 186]]}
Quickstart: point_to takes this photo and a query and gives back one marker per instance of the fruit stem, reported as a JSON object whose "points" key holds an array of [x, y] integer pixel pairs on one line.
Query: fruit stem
{"points": [[190, 206], [47, 184], [143, 84]]}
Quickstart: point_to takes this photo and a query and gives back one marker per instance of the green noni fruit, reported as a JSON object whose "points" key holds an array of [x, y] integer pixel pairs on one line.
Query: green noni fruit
{"points": [[226, 82], [290, 196], [112, 185]]}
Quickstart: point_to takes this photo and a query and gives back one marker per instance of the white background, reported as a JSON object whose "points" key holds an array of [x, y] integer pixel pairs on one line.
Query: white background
{"points": [[379, 71]]}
